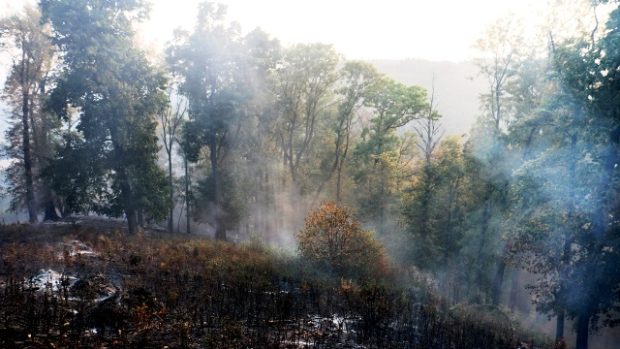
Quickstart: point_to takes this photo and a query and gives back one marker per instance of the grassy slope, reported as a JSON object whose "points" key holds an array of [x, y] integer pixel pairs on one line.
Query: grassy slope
{"points": [[151, 291]]}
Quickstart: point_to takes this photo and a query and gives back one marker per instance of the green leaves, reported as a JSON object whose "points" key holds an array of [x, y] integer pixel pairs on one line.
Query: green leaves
{"points": [[117, 93]]}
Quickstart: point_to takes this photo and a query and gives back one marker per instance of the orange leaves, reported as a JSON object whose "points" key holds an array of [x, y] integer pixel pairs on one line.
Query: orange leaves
{"points": [[333, 240]]}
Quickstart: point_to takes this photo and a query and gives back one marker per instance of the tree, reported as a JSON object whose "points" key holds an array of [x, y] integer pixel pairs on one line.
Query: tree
{"points": [[420, 222], [116, 93], [569, 189], [501, 56], [393, 105], [170, 122], [25, 90], [303, 81], [210, 62], [356, 79]]}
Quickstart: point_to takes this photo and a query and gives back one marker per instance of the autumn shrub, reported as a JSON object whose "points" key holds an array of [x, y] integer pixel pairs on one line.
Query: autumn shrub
{"points": [[334, 241]]}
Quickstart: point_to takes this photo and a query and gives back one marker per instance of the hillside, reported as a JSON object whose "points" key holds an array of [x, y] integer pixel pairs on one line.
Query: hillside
{"points": [[85, 289]]}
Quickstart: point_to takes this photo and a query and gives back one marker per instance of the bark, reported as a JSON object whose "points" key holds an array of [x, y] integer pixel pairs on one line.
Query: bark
{"points": [[484, 227], [583, 323], [187, 197], [339, 185], [514, 289], [126, 195], [140, 214], [51, 213], [498, 282], [132, 225], [220, 229], [559, 326], [171, 198], [32, 214]]}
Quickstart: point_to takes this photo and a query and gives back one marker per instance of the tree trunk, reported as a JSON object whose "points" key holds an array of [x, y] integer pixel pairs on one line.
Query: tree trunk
{"points": [[514, 289], [32, 214], [132, 225], [187, 197], [220, 230], [126, 196], [583, 323], [51, 214], [484, 227], [171, 198], [498, 282], [559, 326], [140, 214], [338, 184]]}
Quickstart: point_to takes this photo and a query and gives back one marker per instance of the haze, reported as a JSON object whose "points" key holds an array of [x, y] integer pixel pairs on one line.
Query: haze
{"points": [[433, 30]]}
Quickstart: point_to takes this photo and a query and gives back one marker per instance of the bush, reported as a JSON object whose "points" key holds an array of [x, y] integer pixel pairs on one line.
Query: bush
{"points": [[334, 241]]}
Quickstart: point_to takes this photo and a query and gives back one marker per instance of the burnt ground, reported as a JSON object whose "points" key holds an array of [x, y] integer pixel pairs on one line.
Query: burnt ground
{"points": [[83, 283]]}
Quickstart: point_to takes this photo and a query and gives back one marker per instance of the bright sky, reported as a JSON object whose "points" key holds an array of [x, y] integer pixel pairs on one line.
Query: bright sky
{"points": [[360, 29], [386, 29]]}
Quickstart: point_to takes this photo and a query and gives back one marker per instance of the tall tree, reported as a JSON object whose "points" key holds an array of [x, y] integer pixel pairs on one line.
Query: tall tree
{"points": [[117, 94], [500, 50], [303, 81], [170, 122], [569, 189], [393, 106], [356, 80], [419, 210], [210, 62], [25, 90]]}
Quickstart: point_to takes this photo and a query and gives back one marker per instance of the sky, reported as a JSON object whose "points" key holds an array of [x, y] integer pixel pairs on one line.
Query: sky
{"points": [[386, 29]]}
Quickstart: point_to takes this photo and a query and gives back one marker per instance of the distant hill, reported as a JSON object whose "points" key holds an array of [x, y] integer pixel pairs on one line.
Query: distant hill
{"points": [[457, 87]]}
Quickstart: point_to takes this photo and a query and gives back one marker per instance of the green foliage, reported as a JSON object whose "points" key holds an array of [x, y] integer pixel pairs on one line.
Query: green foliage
{"points": [[30, 140], [233, 207], [433, 207], [565, 191], [378, 153], [302, 86], [116, 100], [211, 62]]}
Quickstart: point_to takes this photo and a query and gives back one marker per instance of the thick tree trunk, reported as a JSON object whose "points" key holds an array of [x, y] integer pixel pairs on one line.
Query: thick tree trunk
{"points": [[51, 213], [583, 324], [126, 195]]}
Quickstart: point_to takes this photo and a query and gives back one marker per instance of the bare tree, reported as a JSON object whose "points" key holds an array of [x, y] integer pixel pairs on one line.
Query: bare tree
{"points": [[428, 128]]}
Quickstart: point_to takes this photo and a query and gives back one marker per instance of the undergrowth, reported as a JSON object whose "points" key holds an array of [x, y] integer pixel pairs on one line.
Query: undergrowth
{"points": [[156, 291]]}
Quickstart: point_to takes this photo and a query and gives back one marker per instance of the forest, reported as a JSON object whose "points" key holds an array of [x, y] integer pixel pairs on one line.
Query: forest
{"points": [[236, 191]]}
